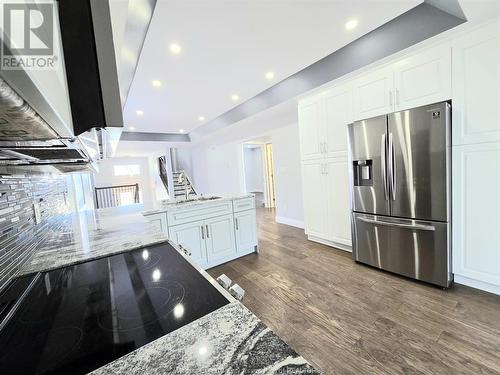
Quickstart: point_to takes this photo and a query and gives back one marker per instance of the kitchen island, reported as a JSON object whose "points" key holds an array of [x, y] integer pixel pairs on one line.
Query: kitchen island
{"points": [[108, 285], [213, 229]]}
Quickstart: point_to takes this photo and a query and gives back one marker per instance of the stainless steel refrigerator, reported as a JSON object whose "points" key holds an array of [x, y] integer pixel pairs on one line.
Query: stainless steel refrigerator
{"points": [[400, 192]]}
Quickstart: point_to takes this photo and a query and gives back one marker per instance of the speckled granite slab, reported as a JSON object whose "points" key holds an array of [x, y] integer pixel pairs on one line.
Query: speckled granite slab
{"points": [[230, 340], [171, 204], [75, 238]]}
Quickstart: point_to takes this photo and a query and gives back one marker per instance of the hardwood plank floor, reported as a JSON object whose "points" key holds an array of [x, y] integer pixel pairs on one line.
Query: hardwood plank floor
{"points": [[346, 318]]}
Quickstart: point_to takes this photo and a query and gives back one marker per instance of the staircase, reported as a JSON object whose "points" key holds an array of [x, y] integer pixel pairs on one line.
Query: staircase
{"points": [[179, 188]]}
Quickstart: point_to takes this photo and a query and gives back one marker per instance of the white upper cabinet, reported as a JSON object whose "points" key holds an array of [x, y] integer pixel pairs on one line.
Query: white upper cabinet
{"points": [[423, 79], [476, 86], [338, 114], [373, 94], [412, 81], [310, 123], [323, 121]]}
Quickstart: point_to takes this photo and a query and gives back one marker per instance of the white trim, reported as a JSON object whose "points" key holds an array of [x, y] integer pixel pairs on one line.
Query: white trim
{"points": [[336, 245], [291, 222], [481, 285]]}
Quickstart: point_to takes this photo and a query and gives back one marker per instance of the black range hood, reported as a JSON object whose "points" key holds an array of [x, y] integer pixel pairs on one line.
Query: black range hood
{"points": [[91, 69]]}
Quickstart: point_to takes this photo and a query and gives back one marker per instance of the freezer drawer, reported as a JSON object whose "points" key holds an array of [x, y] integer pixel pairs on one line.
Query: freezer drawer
{"points": [[417, 249]]}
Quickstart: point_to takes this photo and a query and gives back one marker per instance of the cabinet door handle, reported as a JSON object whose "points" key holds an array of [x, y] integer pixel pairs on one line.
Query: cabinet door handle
{"points": [[237, 227], [397, 96], [208, 233], [202, 233], [390, 98]]}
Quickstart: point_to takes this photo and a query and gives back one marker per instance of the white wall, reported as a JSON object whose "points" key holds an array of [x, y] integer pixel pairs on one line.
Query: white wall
{"points": [[287, 175], [219, 168], [146, 179]]}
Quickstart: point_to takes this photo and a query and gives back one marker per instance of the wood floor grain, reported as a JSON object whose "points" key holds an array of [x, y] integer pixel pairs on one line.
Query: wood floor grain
{"points": [[347, 318]]}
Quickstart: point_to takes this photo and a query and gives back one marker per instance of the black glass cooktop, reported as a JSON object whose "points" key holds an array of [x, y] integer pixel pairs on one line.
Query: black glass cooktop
{"points": [[78, 318]]}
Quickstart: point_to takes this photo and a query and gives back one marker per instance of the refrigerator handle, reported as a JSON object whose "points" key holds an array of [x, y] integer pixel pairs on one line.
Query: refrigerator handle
{"points": [[392, 168], [431, 228], [383, 165]]}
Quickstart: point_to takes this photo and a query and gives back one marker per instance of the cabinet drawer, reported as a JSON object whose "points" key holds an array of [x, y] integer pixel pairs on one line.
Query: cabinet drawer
{"points": [[244, 204], [190, 214]]}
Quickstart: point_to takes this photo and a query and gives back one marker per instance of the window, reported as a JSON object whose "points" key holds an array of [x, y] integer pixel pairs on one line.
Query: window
{"points": [[127, 170]]}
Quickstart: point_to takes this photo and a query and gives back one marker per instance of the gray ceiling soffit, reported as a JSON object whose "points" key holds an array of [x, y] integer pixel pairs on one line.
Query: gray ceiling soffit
{"points": [[417, 24], [154, 137], [136, 29]]}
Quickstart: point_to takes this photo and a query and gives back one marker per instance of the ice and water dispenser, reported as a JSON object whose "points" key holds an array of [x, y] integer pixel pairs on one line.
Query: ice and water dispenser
{"points": [[363, 172]]}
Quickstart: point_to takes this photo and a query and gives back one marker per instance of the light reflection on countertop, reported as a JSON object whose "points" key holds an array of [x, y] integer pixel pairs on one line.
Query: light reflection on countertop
{"points": [[78, 237]]}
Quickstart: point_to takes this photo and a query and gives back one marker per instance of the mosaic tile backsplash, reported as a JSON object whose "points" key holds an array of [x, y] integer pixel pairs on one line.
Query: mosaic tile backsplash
{"points": [[17, 217]]}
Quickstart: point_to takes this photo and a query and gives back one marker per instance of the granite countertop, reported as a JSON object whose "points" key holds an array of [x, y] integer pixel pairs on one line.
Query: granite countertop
{"points": [[78, 237], [230, 340], [169, 204]]}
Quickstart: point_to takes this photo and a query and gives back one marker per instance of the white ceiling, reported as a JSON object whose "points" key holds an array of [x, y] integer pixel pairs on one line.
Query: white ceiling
{"points": [[229, 45]]}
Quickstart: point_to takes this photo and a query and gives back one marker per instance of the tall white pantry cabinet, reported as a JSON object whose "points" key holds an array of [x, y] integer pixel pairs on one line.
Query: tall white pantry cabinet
{"points": [[323, 133], [464, 69]]}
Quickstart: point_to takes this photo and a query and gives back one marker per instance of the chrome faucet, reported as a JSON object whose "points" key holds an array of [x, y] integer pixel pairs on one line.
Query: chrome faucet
{"points": [[182, 179]]}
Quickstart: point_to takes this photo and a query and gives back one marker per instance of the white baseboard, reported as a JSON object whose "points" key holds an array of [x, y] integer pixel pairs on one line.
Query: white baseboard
{"points": [[487, 287], [336, 245], [291, 222]]}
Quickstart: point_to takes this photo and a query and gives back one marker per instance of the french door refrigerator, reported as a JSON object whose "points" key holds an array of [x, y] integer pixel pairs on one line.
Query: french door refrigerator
{"points": [[400, 192]]}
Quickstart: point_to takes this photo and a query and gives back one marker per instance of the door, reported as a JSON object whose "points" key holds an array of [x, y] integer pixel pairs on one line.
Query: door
{"points": [[219, 233], [339, 211], [315, 207], [338, 114], [245, 224], [191, 236], [368, 140], [418, 139], [310, 123], [373, 94], [424, 78], [417, 249]]}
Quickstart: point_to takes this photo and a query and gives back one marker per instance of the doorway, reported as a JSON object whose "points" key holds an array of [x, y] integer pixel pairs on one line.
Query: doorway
{"points": [[259, 173]]}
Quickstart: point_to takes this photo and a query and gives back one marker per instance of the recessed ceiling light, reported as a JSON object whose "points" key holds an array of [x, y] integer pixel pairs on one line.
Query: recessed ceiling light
{"points": [[351, 24], [131, 128], [175, 48], [139, 112], [181, 130], [270, 75], [156, 83], [235, 97], [201, 118]]}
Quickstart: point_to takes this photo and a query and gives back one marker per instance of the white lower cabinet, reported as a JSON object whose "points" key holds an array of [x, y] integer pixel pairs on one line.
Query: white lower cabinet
{"points": [[191, 237], [159, 221], [326, 201], [213, 233], [314, 190], [245, 226], [337, 198], [476, 220], [219, 238]]}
